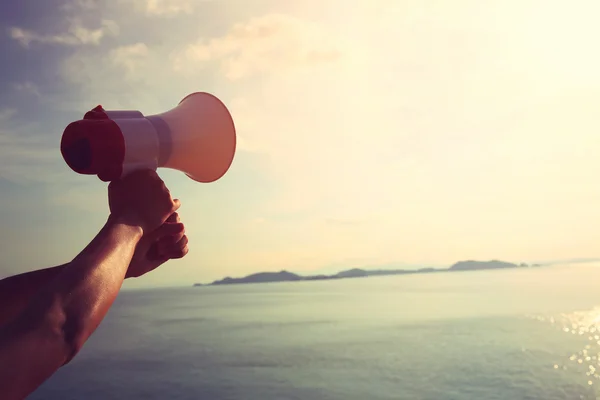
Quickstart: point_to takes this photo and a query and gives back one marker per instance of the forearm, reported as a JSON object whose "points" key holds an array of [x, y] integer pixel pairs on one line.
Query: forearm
{"points": [[17, 291], [79, 297], [63, 314], [94, 278]]}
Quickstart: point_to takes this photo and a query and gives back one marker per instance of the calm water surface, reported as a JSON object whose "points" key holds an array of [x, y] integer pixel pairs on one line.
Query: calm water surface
{"points": [[514, 334]]}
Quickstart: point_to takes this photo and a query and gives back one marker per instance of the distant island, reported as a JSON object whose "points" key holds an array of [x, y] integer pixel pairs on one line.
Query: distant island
{"points": [[286, 276]]}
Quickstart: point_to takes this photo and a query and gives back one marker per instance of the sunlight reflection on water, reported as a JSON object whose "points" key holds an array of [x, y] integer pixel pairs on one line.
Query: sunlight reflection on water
{"points": [[586, 359]]}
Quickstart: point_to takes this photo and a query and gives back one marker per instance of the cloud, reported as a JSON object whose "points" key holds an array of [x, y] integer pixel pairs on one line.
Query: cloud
{"points": [[31, 158], [29, 88], [130, 58], [6, 114], [128, 76], [166, 8], [76, 34], [271, 43], [77, 5], [303, 118], [27, 156]]}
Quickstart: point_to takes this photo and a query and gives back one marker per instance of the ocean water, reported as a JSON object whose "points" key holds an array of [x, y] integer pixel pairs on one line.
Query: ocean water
{"points": [[511, 334]]}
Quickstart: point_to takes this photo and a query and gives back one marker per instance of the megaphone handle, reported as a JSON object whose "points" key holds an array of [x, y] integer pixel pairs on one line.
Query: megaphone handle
{"points": [[131, 167]]}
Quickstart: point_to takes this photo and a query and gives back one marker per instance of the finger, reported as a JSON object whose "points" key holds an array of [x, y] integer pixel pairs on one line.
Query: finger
{"points": [[173, 229], [183, 241], [164, 187], [175, 236], [174, 241], [173, 218], [181, 253], [178, 249], [174, 254], [168, 230], [176, 204]]}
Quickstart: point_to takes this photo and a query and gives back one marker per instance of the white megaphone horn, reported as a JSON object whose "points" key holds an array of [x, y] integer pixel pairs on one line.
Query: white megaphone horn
{"points": [[197, 137]]}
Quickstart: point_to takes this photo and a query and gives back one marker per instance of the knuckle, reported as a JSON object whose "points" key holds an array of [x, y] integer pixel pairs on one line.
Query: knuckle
{"points": [[182, 253]]}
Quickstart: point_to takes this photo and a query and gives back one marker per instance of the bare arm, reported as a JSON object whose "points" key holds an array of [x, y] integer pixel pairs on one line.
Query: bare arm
{"points": [[17, 291], [62, 316], [154, 249]]}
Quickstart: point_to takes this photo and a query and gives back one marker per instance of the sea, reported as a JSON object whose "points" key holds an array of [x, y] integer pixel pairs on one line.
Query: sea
{"points": [[496, 334]]}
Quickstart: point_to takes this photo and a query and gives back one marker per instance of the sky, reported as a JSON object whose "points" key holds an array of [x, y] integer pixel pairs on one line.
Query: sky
{"points": [[383, 133]]}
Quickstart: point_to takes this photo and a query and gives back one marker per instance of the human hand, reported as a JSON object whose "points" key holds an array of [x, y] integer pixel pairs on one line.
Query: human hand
{"points": [[154, 249], [141, 199]]}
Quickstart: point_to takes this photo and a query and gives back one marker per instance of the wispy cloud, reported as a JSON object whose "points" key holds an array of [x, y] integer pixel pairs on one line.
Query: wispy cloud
{"points": [[121, 77], [78, 5], [27, 156], [31, 158], [130, 58], [76, 34], [166, 8], [28, 88], [6, 114], [271, 43]]}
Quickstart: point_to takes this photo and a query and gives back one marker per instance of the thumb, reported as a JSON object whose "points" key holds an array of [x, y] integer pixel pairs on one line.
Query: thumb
{"points": [[176, 204]]}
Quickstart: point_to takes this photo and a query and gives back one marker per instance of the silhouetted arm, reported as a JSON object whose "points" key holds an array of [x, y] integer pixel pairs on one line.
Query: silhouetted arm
{"points": [[17, 291], [60, 318]]}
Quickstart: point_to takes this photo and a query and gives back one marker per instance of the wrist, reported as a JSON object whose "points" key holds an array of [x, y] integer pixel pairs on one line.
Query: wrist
{"points": [[127, 222]]}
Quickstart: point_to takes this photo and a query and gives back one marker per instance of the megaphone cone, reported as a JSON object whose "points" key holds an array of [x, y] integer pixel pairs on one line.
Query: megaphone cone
{"points": [[197, 137]]}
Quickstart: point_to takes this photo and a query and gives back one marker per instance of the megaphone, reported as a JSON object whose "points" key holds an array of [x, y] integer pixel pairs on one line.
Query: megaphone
{"points": [[196, 137]]}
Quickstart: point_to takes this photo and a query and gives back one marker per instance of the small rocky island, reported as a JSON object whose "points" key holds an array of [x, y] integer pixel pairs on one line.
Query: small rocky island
{"points": [[285, 276]]}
